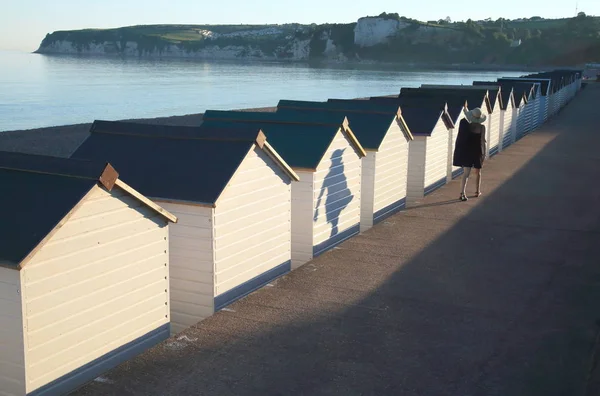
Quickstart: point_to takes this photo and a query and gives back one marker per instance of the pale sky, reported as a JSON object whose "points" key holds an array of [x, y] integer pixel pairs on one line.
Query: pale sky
{"points": [[24, 23]]}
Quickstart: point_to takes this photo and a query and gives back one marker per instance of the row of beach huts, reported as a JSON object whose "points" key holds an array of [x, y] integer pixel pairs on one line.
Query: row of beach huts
{"points": [[149, 229]]}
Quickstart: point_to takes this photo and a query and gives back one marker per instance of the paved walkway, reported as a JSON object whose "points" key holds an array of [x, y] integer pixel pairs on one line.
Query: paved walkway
{"points": [[496, 296]]}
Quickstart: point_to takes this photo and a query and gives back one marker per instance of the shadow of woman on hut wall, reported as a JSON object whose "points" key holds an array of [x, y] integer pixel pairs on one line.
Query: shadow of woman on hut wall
{"points": [[338, 195]]}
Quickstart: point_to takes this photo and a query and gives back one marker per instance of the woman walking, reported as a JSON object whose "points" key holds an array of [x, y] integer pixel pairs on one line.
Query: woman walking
{"points": [[470, 148]]}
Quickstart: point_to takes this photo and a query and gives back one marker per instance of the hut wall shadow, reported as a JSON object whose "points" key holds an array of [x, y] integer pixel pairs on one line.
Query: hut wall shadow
{"points": [[336, 192]]}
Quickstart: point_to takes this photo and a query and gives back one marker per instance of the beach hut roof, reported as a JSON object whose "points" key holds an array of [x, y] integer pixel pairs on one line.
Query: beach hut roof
{"points": [[492, 91], [302, 142], [453, 105], [473, 97], [506, 93], [39, 192], [353, 105], [522, 90], [174, 163], [369, 128]]}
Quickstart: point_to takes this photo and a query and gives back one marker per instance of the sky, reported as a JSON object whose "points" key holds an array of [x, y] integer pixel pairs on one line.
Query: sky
{"points": [[24, 23]]}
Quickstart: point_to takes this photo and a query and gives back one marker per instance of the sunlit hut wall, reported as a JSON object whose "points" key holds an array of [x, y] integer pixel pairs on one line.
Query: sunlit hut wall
{"points": [[428, 156], [454, 107], [475, 97], [545, 91], [326, 155], [523, 94], [84, 270], [383, 133], [533, 109], [231, 192], [454, 103], [507, 109]]}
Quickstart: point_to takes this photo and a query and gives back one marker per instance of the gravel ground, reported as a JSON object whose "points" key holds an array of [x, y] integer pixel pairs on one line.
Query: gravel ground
{"points": [[62, 141]]}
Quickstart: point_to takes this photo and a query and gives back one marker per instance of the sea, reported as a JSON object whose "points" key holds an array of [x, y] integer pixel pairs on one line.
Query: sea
{"points": [[48, 90]]}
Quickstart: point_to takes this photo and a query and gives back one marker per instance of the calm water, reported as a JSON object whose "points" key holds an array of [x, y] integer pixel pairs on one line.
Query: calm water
{"points": [[41, 90]]}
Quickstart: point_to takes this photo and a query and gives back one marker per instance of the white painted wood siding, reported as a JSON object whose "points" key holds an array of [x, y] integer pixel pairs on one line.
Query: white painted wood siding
{"points": [[302, 218], [99, 283], [436, 157], [252, 222], [191, 264], [507, 127], [367, 198], [12, 358], [453, 139], [417, 149], [391, 169], [337, 181], [494, 126]]}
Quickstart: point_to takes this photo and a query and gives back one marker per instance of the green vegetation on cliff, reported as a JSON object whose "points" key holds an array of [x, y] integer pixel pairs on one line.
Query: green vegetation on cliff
{"points": [[532, 41]]}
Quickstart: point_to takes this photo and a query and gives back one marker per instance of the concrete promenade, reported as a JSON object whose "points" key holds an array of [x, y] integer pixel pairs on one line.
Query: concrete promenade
{"points": [[497, 296]]}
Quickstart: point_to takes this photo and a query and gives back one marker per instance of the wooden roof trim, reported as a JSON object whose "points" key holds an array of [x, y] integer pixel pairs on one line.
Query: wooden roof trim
{"points": [[183, 202], [166, 214], [54, 230], [348, 131], [267, 148], [405, 127], [447, 120], [108, 177]]}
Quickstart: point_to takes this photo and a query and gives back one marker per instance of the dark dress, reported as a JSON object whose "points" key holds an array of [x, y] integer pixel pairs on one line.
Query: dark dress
{"points": [[469, 151]]}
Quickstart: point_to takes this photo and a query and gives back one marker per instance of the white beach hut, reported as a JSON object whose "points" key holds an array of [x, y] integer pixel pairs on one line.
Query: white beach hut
{"points": [[384, 135], [429, 151], [490, 103], [231, 193], [84, 270], [326, 155]]}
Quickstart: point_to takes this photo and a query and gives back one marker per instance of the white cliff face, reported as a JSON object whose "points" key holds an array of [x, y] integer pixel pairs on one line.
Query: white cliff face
{"points": [[372, 31], [299, 50]]}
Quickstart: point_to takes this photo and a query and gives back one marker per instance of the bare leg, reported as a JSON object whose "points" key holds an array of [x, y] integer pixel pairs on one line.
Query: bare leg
{"points": [[465, 179], [478, 173]]}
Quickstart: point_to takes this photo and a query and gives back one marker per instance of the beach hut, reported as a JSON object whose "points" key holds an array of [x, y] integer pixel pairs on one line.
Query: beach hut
{"points": [[454, 106], [473, 97], [384, 135], [231, 192], [537, 103], [493, 104], [84, 270], [507, 112], [429, 152], [545, 91], [523, 93], [326, 155]]}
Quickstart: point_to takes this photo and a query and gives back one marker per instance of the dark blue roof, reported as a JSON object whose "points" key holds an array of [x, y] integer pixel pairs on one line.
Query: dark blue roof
{"points": [[39, 192], [473, 97], [301, 139], [341, 104], [369, 128], [176, 132], [504, 93], [414, 108], [331, 119], [521, 89], [300, 145], [174, 166]]}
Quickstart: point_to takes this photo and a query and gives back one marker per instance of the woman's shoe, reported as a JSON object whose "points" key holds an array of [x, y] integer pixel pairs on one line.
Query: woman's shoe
{"points": [[463, 197], [478, 194]]}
